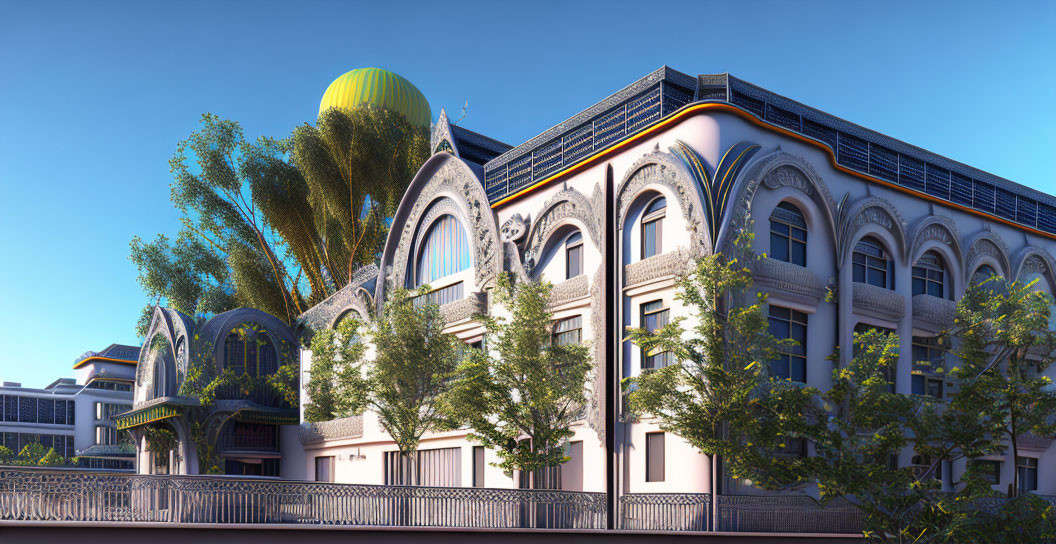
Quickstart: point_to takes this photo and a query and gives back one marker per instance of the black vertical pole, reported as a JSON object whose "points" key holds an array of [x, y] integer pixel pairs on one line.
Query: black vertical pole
{"points": [[612, 374]]}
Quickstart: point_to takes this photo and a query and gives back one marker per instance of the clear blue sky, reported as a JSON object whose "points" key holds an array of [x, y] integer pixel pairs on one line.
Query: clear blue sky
{"points": [[94, 97]]}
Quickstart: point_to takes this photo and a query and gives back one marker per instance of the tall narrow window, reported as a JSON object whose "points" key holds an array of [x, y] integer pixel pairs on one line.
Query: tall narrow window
{"points": [[929, 276], [788, 235], [573, 255], [444, 252], [653, 227], [788, 323], [568, 331], [1027, 467], [655, 316], [654, 457], [871, 264], [324, 469], [478, 466], [929, 358]]}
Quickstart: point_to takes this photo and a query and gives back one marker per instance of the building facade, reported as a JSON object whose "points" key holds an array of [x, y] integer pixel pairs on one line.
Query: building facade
{"points": [[75, 416], [612, 204]]}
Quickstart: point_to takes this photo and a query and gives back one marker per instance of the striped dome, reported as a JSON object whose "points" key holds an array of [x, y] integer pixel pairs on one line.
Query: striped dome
{"points": [[377, 87]]}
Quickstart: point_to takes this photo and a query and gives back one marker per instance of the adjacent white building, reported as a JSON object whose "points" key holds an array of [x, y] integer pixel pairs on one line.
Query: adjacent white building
{"points": [[74, 416]]}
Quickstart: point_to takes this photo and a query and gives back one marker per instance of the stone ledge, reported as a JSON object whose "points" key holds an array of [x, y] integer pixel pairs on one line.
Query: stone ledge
{"points": [[933, 313], [774, 275], [569, 290], [671, 263], [473, 305], [879, 302]]}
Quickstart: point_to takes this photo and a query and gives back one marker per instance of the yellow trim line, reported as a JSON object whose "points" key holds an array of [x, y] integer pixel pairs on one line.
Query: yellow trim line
{"points": [[697, 109], [82, 362]]}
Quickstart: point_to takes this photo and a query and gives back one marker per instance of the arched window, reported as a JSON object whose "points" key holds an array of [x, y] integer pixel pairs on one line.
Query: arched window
{"points": [[982, 274], [788, 234], [653, 227], [444, 252], [929, 276], [573, 255], [253, 356], [871, 264]]}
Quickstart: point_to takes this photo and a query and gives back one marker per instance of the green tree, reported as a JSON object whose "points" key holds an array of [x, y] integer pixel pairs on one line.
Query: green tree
{"points": [[411, 372], [523, 400], [1004, 344], [718, 395], [356, 166], [337, 386]]}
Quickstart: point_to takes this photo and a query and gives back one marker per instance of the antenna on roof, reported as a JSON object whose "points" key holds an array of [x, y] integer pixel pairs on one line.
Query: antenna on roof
{"points": [[465, 108]]}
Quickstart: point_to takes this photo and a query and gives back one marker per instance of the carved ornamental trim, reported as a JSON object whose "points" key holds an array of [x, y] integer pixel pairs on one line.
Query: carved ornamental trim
{"points": [[569, 290], [565, 205], [468, 308], [987, 248]]}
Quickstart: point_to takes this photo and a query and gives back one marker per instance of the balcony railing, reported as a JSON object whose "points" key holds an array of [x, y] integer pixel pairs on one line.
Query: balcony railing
{"points": [[665, 511], [800, 514], [67, 496]]}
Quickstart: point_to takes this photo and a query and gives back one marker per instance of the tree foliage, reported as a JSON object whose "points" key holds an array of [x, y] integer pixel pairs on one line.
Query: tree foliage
{"points": [[337, 386], [523, 394], [277, 224]]}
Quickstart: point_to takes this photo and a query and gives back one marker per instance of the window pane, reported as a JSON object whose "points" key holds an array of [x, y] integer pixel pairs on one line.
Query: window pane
{"points": [[798, 254], [778, 247], [877, 277], [859, 273], [935, 289], [656, 205], [654, 457], [649, 239]]}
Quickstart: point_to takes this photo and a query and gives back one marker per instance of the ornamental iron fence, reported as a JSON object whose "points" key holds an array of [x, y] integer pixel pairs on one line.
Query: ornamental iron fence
{"points": [[665, 511], [71, 496]]}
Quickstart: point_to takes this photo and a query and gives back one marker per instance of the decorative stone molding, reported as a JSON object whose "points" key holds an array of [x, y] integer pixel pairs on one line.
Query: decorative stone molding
{"points": [[664, 169], [933, 313], [337, 429], [1034, 261], [671, 263], [772, 275], [468, 308], [569, 290], [567, 204], [987, 247], [598, 378], [879, 302], [937, 228], [176, 329], [1034, 443], [441, 206], [514, 228], [868, 211], [349, 297], [776, 170]]}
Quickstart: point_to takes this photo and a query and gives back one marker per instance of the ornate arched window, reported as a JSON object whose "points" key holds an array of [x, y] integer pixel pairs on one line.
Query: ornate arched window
{"points": [[788, 234], [929, 276], [444, 252], [653, 227], [871, 264], [160, 376], [235, 353]]}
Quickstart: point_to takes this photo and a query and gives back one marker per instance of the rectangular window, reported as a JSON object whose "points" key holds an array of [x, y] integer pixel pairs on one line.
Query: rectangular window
{"points": [[438, 467], [10, 408], [1027, 468], [105, 436], [651, 233], [654, 457], [27, 409], [654, 317], [574, 257], [929, 357], [440, 296], [324, 469], [572, 470], [568, 331], [60, 412], [924, 466], [786, 323], [478, 466], [869, 264], [989, 470]]}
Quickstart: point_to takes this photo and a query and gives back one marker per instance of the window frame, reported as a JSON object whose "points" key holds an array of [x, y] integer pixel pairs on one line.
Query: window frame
{"points": [[573, 247], [1024, 466], [864, 264], [663, 317], [575, 324], [330, 465], [793, 319], [655, 441], [787, 238], [925, 375], [656, 219], [923, 274]]}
